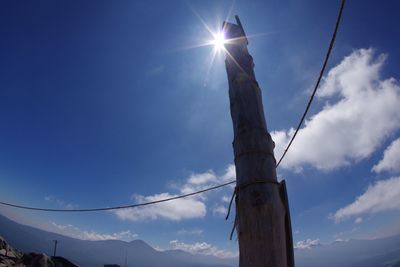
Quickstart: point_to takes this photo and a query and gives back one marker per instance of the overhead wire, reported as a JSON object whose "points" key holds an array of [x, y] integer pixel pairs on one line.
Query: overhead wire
{"points": [[213, 187], [118, 207], [339, 17]]}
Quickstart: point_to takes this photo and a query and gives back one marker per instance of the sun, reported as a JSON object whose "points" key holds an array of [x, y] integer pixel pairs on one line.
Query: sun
{"points": [[219, 41]]}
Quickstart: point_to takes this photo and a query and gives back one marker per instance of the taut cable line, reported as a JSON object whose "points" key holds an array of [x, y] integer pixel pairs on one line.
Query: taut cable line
{"points": [[117, 207], [213, 187], [318, 81]]}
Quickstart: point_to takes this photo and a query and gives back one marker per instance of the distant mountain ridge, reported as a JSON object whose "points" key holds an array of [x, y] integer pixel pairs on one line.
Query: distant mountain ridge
{"points": [[97, 253], [383, 252]]}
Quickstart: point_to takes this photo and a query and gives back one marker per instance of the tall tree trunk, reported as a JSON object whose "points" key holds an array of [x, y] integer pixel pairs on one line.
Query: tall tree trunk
{"points": [[260, 211]]}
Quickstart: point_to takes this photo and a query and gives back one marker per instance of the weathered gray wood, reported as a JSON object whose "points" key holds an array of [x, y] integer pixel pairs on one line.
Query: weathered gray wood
{"points": [[260, 211]]}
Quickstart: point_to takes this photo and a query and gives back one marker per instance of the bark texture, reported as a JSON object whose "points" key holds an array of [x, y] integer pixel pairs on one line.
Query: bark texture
{"points": [[260, 211]]}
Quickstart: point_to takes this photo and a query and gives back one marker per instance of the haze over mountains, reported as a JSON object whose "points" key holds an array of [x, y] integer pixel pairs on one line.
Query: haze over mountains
{"points": [[383, 252], [97, 253]]}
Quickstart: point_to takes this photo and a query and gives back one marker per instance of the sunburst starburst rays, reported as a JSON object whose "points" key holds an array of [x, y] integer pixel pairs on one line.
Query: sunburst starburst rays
{"points": [[217, 41]]}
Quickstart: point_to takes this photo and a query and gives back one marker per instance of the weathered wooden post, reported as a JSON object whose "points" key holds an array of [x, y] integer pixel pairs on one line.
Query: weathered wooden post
{"points": [[262, 214]]}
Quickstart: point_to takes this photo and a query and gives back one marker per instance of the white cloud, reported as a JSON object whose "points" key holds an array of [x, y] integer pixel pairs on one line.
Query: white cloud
{"points": [[391, 158], [202, 248], [200, 181], [176, 210], [190, 232], [60, 203], [358, 220], [363, 112], [225, 199], [75, 232], [307, 244], [220, 210], [179, 209], [382, 196], [341, 240]]}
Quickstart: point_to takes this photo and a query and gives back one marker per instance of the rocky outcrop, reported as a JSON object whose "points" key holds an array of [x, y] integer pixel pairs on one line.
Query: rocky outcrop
{"points": [[9, 257], [35, 259]]}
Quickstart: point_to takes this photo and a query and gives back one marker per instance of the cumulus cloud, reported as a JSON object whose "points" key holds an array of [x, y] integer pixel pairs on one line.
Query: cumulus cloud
{"points": [[307, 244], [358, 220], [176, 210], [75, 232], [202, 248], [200, 181], [179, 209], [190, 232], [60, 203], [382, 196], [391, 158], [220, 210], [361, 111], [225, 199]]}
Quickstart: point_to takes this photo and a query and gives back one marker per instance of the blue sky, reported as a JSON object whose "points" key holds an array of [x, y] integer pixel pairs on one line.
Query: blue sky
{"points": [[107, 103]]}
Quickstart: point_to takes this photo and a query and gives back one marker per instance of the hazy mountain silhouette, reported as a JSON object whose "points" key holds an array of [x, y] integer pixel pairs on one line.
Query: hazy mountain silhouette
{"points": [[96, 253], [383, 252]]}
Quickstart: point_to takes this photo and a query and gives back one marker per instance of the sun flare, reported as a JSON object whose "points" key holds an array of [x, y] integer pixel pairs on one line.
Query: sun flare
{"points": [[219, 41]]}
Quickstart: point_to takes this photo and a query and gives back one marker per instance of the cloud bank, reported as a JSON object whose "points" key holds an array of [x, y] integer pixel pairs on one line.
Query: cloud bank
{"points": [[391, 158], [60, 203], [179, 209], [75, 232], [382, 196], [361, 111], [307, 244], [202, 248], [190, 232], [176, 210]]}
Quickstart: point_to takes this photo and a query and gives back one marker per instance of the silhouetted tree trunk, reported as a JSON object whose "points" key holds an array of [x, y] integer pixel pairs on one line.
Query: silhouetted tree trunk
{"points": [[261, 217]]}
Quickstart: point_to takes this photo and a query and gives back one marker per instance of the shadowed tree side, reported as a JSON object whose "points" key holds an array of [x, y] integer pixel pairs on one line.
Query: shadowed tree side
{"points": [[262, 217]]}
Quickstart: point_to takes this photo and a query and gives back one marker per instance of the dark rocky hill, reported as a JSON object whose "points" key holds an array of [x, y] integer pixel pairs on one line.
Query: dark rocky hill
{"points": [[10, 257]]}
